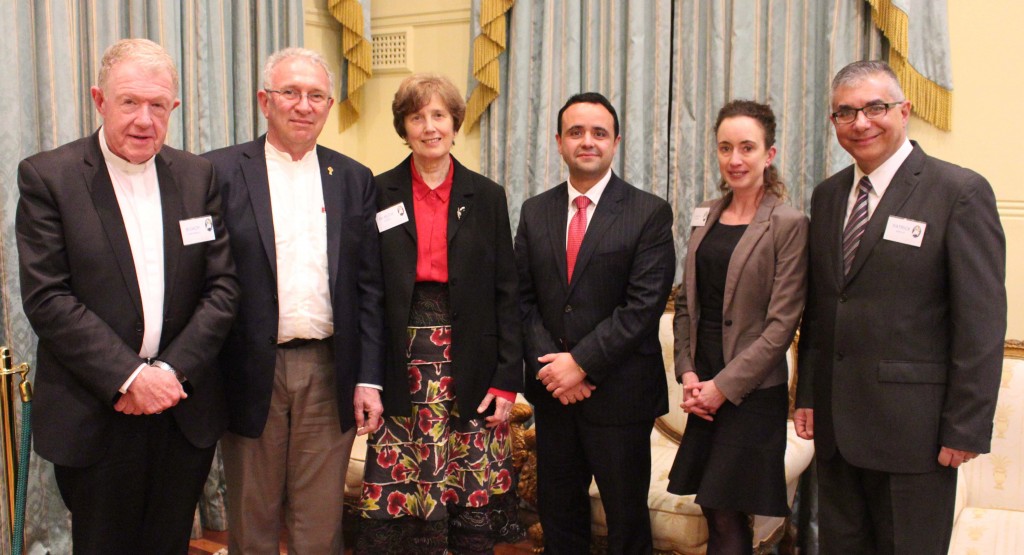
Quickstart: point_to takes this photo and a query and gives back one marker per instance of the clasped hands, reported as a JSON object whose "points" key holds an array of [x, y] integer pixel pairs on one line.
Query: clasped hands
{"points": [[153, 391], [564, 378], [700, 398]]}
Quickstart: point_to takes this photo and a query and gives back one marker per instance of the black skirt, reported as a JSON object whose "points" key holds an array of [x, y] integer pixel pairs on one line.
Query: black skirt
{"points": [[737, 461]]}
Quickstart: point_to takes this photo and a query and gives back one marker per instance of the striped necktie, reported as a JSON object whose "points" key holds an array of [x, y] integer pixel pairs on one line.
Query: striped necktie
{"points": [[856, 224]]}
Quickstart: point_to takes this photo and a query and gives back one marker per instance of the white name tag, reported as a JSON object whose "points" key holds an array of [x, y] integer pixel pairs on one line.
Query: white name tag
{"points": [[196, 230], [700, 216], [392, 216], [902, 230]]}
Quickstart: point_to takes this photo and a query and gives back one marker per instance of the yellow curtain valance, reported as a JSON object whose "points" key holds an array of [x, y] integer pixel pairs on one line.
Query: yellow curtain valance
{"points": [[931, 101], [356, 50]]}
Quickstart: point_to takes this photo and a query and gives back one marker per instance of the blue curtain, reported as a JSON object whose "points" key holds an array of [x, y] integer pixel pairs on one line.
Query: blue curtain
{"points": [[668, 66], [51, 51]]}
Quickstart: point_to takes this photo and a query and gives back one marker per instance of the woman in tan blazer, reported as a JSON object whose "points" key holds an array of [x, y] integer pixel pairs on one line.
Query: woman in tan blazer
{"points": [[744, 287]]}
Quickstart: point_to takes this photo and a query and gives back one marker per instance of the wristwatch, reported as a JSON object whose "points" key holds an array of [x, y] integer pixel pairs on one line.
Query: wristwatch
{"points": [[164, 366]]}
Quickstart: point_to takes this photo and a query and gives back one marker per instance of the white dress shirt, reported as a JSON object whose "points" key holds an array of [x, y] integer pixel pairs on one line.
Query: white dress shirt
{"points": [[300, 239], [594, 194], [880, 179], [138, 197]]}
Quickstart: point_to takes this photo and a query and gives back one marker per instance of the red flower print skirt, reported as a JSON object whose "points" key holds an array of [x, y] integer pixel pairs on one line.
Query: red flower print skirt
{"points": [[430, 465]]}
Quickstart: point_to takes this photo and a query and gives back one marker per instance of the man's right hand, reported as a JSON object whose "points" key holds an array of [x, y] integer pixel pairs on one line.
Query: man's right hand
{"points": [[368, 409], [153, 391], [803, 421]]}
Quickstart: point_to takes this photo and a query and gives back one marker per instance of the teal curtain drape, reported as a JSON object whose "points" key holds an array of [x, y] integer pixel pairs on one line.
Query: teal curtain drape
{"points": [[668, 66], [51, 51]]}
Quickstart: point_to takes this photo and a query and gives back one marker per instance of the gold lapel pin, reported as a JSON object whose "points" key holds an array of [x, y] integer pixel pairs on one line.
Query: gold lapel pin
{"points": [[330, 170]]}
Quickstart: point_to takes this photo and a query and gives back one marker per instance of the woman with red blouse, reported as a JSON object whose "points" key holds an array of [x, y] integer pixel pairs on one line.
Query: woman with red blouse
{"points": [[439, 468]]}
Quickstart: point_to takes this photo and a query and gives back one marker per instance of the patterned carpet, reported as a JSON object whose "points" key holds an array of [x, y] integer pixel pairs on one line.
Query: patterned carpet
{"points": [[215, 543]]}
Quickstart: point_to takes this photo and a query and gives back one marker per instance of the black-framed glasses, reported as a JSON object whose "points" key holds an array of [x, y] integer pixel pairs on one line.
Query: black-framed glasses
{"points": [[315, 98], [871, 111]]}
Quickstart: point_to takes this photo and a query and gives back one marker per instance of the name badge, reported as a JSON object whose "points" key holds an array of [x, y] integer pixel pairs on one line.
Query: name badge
{"points": [[391, 216], [196, 230], [902, 230], [700, 216]]}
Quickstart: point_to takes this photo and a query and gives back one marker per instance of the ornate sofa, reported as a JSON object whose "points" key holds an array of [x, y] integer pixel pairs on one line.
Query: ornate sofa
{"points": [[990, 489]]}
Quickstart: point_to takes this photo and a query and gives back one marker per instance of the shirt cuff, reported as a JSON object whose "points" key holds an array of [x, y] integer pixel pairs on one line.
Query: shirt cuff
{"points": [[370, 385], [128, 383], [509, 396]]}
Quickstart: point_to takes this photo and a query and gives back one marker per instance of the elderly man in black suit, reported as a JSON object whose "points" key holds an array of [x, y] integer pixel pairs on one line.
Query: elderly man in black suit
{"points": [[902, 338], [127, 280], [310, 325], [596, 261]]}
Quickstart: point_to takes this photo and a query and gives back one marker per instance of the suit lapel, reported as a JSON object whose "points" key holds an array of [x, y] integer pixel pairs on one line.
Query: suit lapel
{"points": [[461, 200], [696, 238], [838, 209], [745, 247], [332, 190], [900, 188], [557, 218], [401, 188], [606, 213], [101, 189], [254, 169], [172, 211]]}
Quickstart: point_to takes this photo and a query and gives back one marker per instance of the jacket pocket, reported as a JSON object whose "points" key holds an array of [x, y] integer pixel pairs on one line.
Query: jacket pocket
{"points": [[911, 372]]}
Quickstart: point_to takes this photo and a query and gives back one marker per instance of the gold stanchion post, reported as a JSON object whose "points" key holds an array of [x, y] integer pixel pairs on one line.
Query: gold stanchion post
{"points": [[8, 430]]}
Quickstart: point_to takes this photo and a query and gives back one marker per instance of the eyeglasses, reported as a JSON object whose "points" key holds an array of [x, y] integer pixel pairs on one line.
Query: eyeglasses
{"points": [[315, 98], [871, 111]]}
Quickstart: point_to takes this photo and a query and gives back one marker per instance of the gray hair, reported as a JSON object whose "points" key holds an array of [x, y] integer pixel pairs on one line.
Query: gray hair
{"points": [[144, 52], [311, 56], [858, 71]]}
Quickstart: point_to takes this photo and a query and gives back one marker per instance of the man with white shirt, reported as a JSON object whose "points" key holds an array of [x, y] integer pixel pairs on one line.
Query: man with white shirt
{"points": [[902, 337], [595, 260], [127, 280], [310, 325]]}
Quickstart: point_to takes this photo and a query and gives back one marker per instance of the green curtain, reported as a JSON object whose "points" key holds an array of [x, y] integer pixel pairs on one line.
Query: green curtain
{"points": [[668, 66], [51, 51]]}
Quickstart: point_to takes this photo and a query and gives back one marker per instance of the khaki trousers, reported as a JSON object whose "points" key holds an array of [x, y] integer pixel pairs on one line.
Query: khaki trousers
{"points": [[295, 471]]}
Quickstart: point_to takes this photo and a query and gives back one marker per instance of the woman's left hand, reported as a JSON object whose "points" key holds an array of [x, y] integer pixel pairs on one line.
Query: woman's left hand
{"points": [[706, 396], [502, 409]]}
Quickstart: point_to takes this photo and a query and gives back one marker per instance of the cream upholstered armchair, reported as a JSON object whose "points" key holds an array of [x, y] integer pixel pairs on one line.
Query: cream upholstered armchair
{"points": [[990, 489]]}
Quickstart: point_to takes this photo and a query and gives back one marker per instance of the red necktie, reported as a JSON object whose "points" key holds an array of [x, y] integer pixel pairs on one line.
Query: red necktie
{"points": [[577, 227]]}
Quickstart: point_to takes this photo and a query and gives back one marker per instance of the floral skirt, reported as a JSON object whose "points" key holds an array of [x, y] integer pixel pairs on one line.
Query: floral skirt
{"points": [[433, 482]]}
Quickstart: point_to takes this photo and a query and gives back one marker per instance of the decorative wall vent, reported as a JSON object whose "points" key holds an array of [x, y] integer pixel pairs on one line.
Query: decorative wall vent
{"points": [[390, 52]]}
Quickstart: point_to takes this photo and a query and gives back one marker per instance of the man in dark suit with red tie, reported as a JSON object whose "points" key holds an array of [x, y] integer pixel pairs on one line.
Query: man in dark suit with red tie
{"points": [[127, 280], [902, 340], [596, 261]]}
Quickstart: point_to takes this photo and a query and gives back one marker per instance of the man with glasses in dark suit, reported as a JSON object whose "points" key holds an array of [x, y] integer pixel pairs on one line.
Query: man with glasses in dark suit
{"points": [[902, 341]]}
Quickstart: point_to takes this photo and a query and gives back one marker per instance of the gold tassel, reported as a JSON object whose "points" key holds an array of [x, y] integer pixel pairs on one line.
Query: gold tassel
{"points": [[487, 46], [357, 52], [930, 101]]}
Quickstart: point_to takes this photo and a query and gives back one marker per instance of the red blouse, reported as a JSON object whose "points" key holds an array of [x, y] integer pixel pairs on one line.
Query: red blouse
{"points": [[431, 209]]}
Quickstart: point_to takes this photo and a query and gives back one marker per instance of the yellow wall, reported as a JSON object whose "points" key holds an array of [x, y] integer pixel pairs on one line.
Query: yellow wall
{"points": [[984, 38], [438, 35]]}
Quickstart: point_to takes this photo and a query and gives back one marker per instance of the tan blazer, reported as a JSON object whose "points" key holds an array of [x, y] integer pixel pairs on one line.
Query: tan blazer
{"points": [[764, 297]]}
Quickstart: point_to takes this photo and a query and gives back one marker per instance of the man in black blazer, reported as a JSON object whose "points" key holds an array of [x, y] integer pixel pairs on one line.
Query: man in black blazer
{"points": [[127, 280], [310, 324], [902, 338], [595, 375]]}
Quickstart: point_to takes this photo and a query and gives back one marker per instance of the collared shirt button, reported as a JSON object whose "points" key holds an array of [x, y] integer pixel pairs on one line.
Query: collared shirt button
{"points": [[568, 308]]}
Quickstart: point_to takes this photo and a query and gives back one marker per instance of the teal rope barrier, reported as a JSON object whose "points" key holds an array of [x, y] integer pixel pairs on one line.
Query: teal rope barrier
{"points": [[22, 490]]}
